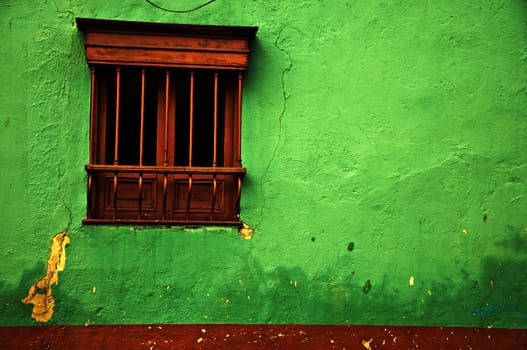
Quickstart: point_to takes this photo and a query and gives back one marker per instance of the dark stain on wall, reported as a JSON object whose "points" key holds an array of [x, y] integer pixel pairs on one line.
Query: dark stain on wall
{"points": [[367, 287]]}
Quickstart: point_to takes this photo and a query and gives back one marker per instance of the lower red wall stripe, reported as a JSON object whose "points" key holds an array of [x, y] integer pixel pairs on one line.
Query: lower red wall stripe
{"points": [[215, 336]]}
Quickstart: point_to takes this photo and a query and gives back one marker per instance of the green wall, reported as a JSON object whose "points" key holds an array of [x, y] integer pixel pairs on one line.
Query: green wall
{"points": [[397, 126]]}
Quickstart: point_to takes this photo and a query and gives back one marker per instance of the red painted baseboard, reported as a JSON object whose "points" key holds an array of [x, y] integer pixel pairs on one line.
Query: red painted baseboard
{"points": [[259, 337]]}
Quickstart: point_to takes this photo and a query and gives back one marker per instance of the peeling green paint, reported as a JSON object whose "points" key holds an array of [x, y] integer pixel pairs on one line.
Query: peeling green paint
{"points": [[399, 127]]}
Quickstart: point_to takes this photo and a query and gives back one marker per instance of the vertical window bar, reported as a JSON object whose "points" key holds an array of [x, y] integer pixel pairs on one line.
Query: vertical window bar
{"points": [[92, 117], [215, 150], [191, 131], [142, 127], [238, 197], [117, 110], [214, 190], [116, 145], [189, 194], [191, 123], [114, 195], [165, 183], [90, 201], [239, 120], [167, 100], [140, 195], [141, 141], [165, 146]]}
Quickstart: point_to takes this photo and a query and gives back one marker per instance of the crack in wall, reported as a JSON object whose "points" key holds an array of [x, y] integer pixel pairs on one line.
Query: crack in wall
{"points": [[54, 118], [70, 215], [66, 12], [286, 70]]}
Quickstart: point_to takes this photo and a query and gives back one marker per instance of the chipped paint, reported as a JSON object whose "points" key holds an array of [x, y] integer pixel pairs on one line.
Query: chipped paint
{"points": [[293, 283], [366, 343], [40, 293], [246, 231]]}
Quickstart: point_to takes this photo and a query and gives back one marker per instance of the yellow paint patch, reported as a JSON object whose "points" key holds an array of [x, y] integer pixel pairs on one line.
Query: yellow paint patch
{"points": [[411, 280], [366, 343], [39, 293], [246, 231]]}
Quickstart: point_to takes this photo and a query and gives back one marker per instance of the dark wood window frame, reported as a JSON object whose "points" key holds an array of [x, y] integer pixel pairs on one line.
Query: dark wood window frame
{"points": [[165, 122]]}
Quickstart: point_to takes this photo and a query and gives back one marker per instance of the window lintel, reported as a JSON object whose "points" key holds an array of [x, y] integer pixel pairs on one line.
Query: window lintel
{"points": [[166, 44]]}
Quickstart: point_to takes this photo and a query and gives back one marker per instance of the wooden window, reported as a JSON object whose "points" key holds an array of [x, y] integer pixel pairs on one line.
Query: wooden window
{"points": [[165, 143]]}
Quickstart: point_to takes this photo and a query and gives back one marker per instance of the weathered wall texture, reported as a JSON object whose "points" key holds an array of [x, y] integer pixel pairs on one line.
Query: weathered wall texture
{"points": [[385, 144]]}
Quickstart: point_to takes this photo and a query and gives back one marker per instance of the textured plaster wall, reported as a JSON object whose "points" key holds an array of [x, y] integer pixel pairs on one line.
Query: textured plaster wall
{"points": [[385, 144]]}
